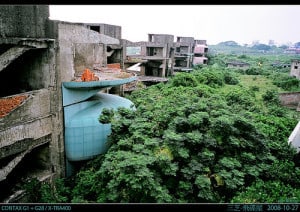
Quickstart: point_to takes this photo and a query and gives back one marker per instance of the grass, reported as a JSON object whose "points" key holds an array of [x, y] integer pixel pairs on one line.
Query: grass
{"points": [[262, 83], [258, 83]]}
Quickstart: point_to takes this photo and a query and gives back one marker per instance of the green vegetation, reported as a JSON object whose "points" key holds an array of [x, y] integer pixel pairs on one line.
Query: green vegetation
{"points": [[231, 47], [213, 135]]}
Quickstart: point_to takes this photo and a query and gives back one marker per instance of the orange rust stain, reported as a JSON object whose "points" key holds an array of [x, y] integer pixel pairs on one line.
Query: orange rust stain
{"points": [[88, 75], [10, 103], [114, 65]]}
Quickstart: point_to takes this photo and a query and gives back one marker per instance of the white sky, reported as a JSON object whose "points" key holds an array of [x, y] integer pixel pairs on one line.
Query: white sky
{"points": [[214, 23]]}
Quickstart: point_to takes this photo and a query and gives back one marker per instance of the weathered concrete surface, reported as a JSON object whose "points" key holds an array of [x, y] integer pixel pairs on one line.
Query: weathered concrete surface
{"points": [[290, 99], [39, 119], [23, 45], [32, 129], [71, 40], [35, 106], [10, 55], [4, 171], [27, 21], [88, 55], [294, 138], [36, 56], [22, 145], [33, 70], [295, 69], [106, 29]]}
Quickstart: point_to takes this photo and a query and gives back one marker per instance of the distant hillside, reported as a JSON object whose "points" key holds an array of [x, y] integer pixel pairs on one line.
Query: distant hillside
{"points": [[232, 47], [228, 43]]}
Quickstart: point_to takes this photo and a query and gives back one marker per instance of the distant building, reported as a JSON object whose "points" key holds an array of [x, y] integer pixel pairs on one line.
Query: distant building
{"points": [[154, 57], [183, 53], [200, 51], [160, 56], [292, 50], [238, 64], [295, 69], [280, 65], [106, 29]]}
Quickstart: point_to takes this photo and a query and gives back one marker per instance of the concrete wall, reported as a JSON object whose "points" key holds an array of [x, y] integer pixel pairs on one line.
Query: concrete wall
{"points": [[19, 123], [25, 128], [27, 74], [229, 65], [71, 35], [203, 42], [290, 99], [111, 30], [156, 65], [295, 69], [88, 55], [162, 50], [161, 38], [38, 122], [106, 29], [142, 45], [189, 40], [41, 116], [23, 21]]}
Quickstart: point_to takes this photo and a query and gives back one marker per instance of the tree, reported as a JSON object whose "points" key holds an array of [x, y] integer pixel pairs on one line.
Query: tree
{"points": [[261, 47], [204, 147], [194, 139]]}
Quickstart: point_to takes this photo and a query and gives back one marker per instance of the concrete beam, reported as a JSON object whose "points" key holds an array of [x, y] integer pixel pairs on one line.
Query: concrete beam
{"points": [[35, 43], [108, 54], [13, 163], [10, 55], [22, 145], [35, 129], [23, 45]]}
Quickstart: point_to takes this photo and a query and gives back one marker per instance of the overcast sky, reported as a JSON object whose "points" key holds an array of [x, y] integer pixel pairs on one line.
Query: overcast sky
{"points": [[214, 23]]}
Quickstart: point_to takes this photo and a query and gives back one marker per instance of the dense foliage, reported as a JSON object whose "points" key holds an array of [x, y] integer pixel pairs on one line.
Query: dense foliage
{"points": [[201, 137]]}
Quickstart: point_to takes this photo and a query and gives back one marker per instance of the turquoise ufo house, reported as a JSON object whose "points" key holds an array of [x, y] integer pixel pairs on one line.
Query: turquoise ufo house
{"points": [[85, 136]]}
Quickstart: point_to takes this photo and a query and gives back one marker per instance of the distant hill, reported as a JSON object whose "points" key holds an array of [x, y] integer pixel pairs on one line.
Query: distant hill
{"points": [[228, 43], [297, 45], [232, 47]]}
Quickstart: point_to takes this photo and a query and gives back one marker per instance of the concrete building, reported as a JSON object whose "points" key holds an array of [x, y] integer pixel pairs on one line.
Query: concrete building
{"points": [[154, 56], [295, 69], [200, 52], [31, 136], [278, 64], [106, 29], [36, 56], [39, 59], [238, 64], [184, 52], [151, 60], [161, 56]]}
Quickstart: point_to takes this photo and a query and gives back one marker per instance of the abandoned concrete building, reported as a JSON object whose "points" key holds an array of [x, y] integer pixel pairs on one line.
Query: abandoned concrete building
{"points": [[160, 56], [237, 64], [183, 55], [38, 56], [295, 68], [153, 56], [47, 115], [200, 52], [278, 64], [42, 99]]}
